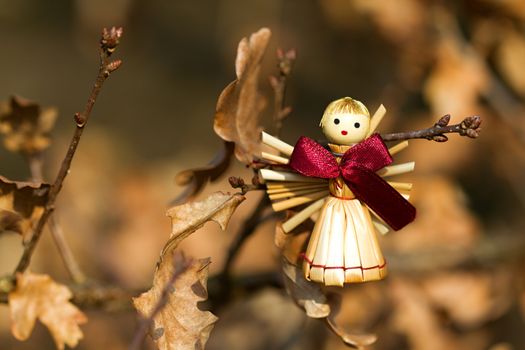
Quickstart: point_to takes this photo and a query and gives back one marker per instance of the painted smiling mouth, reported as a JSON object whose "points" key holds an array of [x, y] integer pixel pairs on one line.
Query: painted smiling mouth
{"points": [[344, 132]]}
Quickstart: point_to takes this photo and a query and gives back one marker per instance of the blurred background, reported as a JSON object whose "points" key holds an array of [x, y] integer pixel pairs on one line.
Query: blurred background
{"points": [[457, 273]]}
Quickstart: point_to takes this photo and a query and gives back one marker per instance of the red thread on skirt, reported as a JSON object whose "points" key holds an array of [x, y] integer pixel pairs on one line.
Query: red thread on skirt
{"points": [[343, 198], [302, 255]]}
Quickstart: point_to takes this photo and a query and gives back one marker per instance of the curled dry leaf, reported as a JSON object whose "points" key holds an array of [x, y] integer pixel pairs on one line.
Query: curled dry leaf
{"points": [[196, 179], [38, 296], [26, 126], [355, 340], [239, 106], [358, 341], [180, 324], [187, 218], [306, 294], [21, 204]]}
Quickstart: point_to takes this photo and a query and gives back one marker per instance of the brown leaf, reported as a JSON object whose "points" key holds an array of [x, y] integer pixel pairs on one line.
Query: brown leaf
{"points": [[180, 324], [239, 106], [21, 204], [509, 59], [38, 296], [424, 328], [26, 126], [306, 294], [187, 218], [456, 81], [196, 179], [484, 296], [398, 21]]}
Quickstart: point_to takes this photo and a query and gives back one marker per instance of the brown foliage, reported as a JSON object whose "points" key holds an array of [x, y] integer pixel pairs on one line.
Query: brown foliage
{"points": [[180, 324], [26, 126], [240, 103], [187, 218], [38, 296], [21, 204]]}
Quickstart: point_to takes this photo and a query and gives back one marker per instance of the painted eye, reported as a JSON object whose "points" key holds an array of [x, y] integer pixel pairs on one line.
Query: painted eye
{"points": [[336, 121], [357, 125]]}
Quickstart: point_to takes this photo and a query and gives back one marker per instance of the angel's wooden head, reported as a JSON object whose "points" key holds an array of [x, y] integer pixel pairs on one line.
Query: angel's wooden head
{"points": [[345, 121]]}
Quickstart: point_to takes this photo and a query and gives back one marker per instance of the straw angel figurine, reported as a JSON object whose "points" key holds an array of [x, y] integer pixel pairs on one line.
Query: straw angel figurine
{"points": [[345, 189]]}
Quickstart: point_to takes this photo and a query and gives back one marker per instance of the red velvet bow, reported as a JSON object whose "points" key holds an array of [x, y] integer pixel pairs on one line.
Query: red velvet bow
{"points": [[357, 167]]}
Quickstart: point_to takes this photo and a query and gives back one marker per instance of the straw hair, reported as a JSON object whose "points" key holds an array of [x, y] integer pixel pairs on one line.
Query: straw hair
{"points": [[344, 105]]}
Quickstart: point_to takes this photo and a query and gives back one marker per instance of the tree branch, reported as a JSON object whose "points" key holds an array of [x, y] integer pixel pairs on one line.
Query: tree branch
{"points": [[108, 43], [469, 127]]}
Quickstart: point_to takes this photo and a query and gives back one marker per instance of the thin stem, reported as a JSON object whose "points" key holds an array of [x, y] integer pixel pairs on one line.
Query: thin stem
{"points": [[108, 43], [71, 264], [469, 127], [180, 265]]}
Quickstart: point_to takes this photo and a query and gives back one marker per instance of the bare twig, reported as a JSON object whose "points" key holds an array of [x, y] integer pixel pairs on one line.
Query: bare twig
{"points": [[180, 265], [469, 127], [70, 262], [109, 41], [286, 61], [92, 296]]}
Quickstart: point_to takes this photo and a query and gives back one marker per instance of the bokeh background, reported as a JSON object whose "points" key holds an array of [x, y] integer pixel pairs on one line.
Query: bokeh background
{"points": [[457, 273]]}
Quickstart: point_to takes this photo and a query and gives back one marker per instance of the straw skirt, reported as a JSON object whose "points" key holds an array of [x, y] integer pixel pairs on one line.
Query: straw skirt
{"points": [[343, 247]]}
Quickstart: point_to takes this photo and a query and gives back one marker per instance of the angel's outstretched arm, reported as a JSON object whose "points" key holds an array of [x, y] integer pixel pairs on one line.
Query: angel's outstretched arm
{"points": [[278, 145], [469, 127]]}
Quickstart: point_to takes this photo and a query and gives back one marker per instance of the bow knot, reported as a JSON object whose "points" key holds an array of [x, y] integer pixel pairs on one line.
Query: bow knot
{"points": [[358, 168]]}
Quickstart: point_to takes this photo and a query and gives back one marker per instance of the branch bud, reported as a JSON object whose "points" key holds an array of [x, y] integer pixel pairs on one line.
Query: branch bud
{"points": [[80, 120], [444, 120], [440, 138], [236, 182], [110, 39]]}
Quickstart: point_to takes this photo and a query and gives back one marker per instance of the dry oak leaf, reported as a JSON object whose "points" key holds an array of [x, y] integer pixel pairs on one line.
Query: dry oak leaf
{"points": [[189, 217], [38, 296], [180, 324], [26, 126], [238, 109], [21, 204]]}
